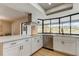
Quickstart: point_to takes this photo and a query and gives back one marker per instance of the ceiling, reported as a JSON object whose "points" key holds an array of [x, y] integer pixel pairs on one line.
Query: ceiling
{"points": [[13, 10], [9, 13], [55, 7], [47, 6]]}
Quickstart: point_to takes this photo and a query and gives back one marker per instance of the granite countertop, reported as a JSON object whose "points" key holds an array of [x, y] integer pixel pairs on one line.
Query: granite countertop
{"points": [[20, 37], [61, 35], [12, 38], [4, 39]]}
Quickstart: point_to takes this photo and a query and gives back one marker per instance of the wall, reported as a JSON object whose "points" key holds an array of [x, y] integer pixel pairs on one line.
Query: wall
{"points": [[16, 25], [27, 7], [7, 13], [5, 27]]}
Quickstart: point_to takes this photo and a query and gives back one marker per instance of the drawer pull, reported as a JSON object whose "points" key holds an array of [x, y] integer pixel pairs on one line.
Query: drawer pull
{"points": [[13, 43], [37, 40], [62, 42], [26, 40]]}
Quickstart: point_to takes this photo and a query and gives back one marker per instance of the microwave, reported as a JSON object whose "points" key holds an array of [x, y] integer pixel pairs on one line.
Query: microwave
{"points": [[25, 29]]}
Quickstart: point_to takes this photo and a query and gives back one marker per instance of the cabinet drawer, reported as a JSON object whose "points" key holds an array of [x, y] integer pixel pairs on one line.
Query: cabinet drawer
{"points": [[11, 44]]}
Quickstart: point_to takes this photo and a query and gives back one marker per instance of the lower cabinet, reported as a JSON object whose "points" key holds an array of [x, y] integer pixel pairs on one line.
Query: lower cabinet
{"points": [[65, 44], [24, 47], [77, 46], [69, 45], [18, 48], [57, 43], [12, 51], [37, 43]]}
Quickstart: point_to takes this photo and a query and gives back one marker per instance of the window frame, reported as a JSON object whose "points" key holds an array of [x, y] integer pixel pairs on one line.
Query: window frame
{"points": [[63, 26], [59, 24]]}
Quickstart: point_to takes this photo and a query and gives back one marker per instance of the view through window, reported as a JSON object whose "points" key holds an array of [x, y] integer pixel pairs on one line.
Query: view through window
{"points": [[75, 24], [67, 25], [55, 26], [47, 26]]}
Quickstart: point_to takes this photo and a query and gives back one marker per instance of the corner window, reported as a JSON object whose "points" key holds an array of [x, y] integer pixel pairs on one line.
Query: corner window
{"points": [[39, 27], [47, 26], [65, 25], [55, 26], [75, 24]]}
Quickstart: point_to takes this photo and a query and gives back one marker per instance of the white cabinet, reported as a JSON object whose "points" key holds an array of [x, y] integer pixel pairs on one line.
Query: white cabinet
{"points": [[37, 43], [23, 47], [17, 48], [26, 47], [69, 45], [34, 45], [77, 39], [11, 48], [12, 51], [65, 44], [57, 43]]}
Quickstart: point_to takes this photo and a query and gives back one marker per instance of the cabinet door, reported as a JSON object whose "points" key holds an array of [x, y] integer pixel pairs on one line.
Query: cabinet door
{"points": [[57, 43], [39, 42], [34, 44], [77, 41], [12, 51], [69, 45], [26, 47]]}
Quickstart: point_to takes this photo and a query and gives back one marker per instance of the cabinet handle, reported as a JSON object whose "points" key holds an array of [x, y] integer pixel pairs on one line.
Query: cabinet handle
{"points": [[20, 47], [26, 40], [37, 40], [13, 43], [62, 42]]}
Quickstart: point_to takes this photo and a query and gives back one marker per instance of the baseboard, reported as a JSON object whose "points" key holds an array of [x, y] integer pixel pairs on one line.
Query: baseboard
{"points": [[60, 52], [48, 48], [64, 53]]}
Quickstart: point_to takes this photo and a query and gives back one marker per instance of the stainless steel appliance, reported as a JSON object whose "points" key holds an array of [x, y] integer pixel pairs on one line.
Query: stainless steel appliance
{"points": [[48, 41], [25, 29]]}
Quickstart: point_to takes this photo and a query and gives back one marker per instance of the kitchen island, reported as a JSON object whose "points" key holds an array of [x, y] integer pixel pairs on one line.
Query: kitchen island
{"points": [[20, 45]]}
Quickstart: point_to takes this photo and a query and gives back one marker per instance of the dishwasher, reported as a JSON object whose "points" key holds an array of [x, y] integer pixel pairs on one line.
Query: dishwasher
{"points": [[48, 41]]}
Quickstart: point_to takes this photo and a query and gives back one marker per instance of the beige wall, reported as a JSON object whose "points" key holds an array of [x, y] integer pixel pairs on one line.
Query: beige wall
{"points": [[13, 27], [5, 27], [16, 25], [34, 29]]}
